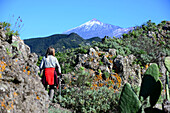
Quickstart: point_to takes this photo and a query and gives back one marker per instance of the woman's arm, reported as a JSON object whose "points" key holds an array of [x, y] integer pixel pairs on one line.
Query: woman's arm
{"points": [[41, 66], [58, 66]]}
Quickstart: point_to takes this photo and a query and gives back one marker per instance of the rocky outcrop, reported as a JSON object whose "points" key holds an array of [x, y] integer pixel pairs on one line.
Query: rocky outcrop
{"points": [[21, 90], [125, 66], [108, 62], [130, 72]]}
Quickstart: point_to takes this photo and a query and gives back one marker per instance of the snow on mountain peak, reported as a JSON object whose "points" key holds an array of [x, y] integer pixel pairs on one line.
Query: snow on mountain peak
{"points": [[95, 28], [94, 19], [92, 22]]}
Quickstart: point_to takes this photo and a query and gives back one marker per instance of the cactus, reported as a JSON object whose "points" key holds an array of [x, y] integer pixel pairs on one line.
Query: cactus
{"points": [[151, 87], [147, 86], [167, 65], [156, 92], [129, 102], [153, 71], [167, 92], [149, 80]]}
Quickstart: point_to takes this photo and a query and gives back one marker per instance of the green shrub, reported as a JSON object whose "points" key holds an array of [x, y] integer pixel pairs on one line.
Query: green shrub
{"points": [[39, 60], [87, 100], [82, 78], [138, 43], [16, 28]]}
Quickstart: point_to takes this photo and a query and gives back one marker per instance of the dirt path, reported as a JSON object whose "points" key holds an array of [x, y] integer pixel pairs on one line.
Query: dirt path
{"points": [[56, 108]]}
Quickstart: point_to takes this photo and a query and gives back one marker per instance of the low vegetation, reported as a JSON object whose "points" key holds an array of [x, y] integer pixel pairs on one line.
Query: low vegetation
{"points": [[147, 42]]}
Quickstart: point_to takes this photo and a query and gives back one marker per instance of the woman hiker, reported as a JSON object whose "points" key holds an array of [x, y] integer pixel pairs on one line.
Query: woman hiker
{"points": [[49, 63]]}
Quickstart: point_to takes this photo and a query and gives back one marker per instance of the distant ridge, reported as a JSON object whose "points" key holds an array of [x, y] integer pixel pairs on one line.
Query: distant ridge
{"points": [[95, 28], [58, 41]]}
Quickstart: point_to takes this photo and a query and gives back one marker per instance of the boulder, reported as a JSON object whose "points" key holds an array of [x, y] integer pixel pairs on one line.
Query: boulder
{"points": [[93, 53], [130, 72], [21, 90], [112, 52], [104, 68]]}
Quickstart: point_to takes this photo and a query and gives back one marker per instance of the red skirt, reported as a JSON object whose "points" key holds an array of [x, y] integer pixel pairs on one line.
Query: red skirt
{"points": [[49, 75]]}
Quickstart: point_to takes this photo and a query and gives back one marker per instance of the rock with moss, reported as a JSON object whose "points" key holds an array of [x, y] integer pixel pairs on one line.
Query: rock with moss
{"points": [[92, 53], [130, 72], [21, 90]]}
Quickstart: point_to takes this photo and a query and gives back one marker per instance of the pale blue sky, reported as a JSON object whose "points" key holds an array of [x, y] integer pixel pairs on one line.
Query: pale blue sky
{"points": [[47, 17]]}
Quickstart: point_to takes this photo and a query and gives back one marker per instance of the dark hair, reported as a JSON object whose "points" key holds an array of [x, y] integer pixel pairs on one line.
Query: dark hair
{"points": [[49, 51]]}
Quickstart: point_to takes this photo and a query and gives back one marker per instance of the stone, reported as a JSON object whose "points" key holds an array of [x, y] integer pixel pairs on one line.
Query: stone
{"points": [[166, 106], [112, 52], [96, 48], [131, 58], [118, 64], [2, 35], [93, 53], [105, 60], [21, 90], [77, 67], [3, 88], [130, 72], [104, 68]]}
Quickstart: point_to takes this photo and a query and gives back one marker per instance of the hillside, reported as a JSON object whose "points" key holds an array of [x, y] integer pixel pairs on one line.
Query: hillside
{"points": [[147, 43], [58, 41], [116, 65], [111, 75]]}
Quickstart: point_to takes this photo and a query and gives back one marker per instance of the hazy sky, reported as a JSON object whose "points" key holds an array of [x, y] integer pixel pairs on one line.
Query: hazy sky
{"points": [[47, 17]]}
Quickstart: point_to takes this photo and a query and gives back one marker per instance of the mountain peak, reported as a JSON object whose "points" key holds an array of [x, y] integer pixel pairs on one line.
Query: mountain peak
{"points": [[95, 28], [92, 22], [94, 19]]}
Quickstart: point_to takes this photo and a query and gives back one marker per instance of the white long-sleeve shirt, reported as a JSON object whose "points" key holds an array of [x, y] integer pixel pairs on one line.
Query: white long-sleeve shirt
{"points": [[50, 62]]}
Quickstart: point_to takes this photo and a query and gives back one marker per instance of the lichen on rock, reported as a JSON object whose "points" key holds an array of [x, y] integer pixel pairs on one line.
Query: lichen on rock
{"points": [[21, 90]]}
